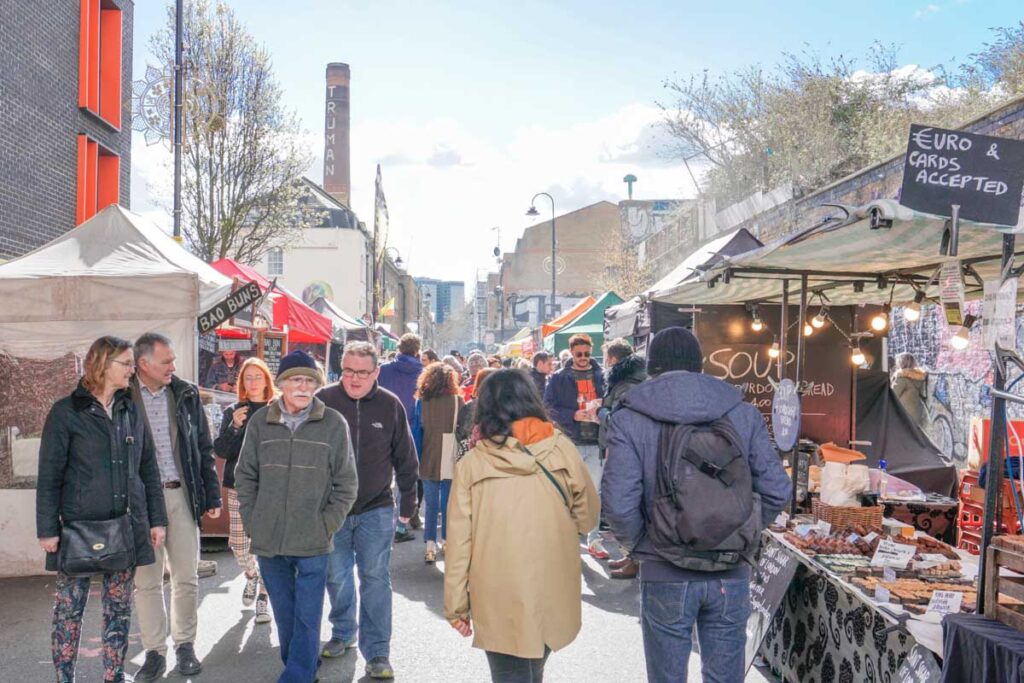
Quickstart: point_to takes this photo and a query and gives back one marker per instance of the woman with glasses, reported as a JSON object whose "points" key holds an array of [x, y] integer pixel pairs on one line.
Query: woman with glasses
{"points": [[438, 404], [97, 463], [255, 389], [524, 480]]}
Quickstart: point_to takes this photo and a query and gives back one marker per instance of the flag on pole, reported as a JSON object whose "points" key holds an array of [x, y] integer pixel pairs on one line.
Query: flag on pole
{"points": [[389, 308]]}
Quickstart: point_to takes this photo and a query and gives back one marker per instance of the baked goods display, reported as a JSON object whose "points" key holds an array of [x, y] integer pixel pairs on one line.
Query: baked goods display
{"points": [[914, 594]]}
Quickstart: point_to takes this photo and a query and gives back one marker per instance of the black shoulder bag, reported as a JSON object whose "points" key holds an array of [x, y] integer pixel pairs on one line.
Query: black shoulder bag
{"points": [[99, 546], [547, 473]]}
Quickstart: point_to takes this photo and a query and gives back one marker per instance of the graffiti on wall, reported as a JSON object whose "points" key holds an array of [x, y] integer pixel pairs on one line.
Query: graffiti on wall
{"points": [[958, 381]]}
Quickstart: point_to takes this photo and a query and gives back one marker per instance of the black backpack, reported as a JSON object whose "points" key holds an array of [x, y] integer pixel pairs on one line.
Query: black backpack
{"points": [[706, 515]]}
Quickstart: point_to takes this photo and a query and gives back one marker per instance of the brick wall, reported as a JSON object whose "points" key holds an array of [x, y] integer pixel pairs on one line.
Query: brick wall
{"points": [[39, 43]]}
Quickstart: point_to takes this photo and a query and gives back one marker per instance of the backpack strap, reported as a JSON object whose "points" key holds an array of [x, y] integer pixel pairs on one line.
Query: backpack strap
{"points": [[723, 428]]}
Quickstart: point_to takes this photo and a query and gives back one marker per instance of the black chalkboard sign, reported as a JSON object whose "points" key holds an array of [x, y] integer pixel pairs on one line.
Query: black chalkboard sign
{"points": [[983, 174], [786, 415], [272, 348], [768, 586]]}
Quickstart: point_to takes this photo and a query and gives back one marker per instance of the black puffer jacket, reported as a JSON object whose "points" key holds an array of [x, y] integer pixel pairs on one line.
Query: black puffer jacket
{"points": [[228, 443], [84, 461], [622, 377]]}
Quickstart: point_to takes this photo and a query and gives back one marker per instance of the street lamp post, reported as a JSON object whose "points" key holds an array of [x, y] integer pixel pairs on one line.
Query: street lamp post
{"points": [[554, 243]]}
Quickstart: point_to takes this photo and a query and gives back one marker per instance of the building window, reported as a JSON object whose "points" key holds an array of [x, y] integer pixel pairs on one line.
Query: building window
{"points": [[99, 60], [275, 262], [99, 178]]}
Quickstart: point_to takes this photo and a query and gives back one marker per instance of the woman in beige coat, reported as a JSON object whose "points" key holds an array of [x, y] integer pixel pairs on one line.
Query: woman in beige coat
{"points": [[523, 482]]}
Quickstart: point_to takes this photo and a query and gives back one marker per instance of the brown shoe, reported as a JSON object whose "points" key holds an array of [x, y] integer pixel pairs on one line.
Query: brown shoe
{"points": [[620, 563], [629, 571]]}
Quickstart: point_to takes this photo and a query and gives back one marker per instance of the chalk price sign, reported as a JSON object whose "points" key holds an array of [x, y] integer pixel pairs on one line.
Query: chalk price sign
{"points": [[984, 175]]}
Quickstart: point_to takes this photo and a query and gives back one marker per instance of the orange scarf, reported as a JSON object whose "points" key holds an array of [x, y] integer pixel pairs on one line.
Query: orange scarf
{"points": [[530, 430]]}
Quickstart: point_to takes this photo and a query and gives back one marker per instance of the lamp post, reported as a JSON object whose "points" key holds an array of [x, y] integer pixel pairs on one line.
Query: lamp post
{"points": [[554, 263]]}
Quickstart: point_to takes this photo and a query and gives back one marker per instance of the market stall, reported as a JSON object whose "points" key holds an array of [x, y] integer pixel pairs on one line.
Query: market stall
{"points": [[589, 322], [879, 255], [115, 274], [346, 329]]}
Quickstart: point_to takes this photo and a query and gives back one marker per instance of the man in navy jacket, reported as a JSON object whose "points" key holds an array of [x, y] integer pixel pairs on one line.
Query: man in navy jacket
{"points": [[400, 375], [674, 599]]}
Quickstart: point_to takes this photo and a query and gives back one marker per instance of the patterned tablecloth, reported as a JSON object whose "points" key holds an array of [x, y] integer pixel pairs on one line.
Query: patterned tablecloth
{"points": [[824, 632], [936, 518]]}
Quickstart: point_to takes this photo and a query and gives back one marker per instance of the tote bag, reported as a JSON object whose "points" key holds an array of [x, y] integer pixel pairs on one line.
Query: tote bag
{"points": [[450, 446]]}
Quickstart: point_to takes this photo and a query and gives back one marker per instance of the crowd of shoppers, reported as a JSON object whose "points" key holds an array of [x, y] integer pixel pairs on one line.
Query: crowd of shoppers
{"points": [[320, 481]]}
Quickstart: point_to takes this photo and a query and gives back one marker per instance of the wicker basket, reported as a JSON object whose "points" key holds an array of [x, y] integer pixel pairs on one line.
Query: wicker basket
{"points": [[842, 517]]}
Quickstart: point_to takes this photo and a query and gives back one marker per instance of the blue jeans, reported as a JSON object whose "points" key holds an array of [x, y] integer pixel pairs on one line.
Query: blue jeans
{"points": [[363, 541], [591, 455], [435, 494], [720, 610], [296, 589]]}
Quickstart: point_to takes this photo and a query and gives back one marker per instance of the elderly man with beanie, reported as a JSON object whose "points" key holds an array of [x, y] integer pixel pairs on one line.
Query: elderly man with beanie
{"points": [[712, 590], [296, 482]]}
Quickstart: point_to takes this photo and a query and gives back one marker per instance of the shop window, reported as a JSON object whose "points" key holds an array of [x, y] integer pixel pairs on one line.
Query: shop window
{"points": [[275, 262], [99, 178], [99, 60]]}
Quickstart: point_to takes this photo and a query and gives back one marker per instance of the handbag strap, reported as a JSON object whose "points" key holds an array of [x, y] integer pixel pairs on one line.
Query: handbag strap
{"points": [[455, 413], [547, 473]]}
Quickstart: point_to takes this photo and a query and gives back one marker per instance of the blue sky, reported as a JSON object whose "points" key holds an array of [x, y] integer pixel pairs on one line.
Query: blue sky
{"points": [[528, 96]]}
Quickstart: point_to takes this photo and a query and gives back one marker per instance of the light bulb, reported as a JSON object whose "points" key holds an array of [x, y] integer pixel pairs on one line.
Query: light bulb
{"points": [[819, 320], [808, 330], [912, 312], [880, 322], [961, 339], [757, 325], [773, 352], [857, 357]]}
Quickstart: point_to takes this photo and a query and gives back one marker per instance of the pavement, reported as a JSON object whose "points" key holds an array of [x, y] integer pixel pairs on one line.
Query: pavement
{"points": [[424, 648]]}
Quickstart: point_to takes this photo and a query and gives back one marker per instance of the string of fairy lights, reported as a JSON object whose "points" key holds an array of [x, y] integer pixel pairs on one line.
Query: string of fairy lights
{"points": [[879, 324]]}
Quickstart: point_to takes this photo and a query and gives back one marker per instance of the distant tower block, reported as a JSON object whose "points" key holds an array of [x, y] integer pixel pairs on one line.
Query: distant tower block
{"points": [[337, 170]]}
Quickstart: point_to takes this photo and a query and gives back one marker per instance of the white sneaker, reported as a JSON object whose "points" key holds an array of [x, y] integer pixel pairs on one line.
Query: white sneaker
{"points": [[252, 584], [262, 610]]}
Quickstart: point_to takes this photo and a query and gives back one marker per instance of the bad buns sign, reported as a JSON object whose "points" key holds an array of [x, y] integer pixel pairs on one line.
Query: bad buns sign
{"points": [[982, 174]]}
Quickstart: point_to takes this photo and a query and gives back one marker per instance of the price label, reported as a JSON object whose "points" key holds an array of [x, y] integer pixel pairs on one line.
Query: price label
{"points": [[782, 519], [853, 538], [945, 602], [889, 554], [870, 537], [889, 574], [881, 593], [824, 527], [802, 530]]}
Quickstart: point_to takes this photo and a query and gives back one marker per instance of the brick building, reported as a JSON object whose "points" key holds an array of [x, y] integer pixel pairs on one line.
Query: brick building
{"points": [[65, 142]]}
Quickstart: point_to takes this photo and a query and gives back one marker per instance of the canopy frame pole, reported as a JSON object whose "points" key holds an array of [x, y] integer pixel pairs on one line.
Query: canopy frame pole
{"points": [[996, 443], [801, 352], [783, 325]]}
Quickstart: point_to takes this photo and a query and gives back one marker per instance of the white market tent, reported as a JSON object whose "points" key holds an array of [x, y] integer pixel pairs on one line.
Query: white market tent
{"points": [[116, 274], [903, 248]]}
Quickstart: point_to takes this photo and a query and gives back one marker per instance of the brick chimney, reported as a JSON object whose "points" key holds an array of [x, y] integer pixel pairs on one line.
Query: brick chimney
{"points": [[337, 171]]}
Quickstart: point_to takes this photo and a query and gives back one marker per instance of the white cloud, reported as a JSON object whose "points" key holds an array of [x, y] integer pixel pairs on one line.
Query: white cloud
{"points": [[928, 9], [446, 187]]}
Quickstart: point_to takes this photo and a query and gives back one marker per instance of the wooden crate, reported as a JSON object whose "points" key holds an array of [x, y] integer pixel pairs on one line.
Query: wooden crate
{"points": [[1004, 595]]}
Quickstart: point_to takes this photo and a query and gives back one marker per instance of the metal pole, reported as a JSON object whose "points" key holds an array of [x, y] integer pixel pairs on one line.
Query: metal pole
{"points": [[784, 323], [554, 262], [801, 351], [178, 21], [996, 443]]}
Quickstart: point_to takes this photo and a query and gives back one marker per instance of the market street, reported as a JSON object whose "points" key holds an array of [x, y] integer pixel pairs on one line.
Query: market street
{"points": [[424, 648]]}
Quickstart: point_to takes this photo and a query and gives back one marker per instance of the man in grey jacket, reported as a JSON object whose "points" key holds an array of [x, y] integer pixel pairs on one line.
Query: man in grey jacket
{"points": [[296, 482]]}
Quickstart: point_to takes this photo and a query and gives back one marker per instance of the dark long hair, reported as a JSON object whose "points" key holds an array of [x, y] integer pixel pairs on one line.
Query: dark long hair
{"points": [[507, 395]]}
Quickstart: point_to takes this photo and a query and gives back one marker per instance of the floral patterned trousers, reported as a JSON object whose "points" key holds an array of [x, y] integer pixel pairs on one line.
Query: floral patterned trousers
{"points": [[68, 609]]}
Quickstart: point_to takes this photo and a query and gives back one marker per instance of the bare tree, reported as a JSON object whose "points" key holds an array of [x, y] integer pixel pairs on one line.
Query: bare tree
{"points": [[809, 121], [622, 273], [456, 331], [243, 159]]}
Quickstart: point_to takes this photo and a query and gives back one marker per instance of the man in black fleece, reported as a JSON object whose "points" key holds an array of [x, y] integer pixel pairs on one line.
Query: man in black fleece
{"points": [[383, 449]]}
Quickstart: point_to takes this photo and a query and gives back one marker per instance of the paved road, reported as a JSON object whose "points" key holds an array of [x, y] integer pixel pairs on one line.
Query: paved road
{"points": [[424, 648]]}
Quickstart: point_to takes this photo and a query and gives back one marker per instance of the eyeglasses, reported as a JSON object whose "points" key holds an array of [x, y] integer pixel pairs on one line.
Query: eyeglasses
{"points": [[127, 363], [361, 374], [582, 354]]}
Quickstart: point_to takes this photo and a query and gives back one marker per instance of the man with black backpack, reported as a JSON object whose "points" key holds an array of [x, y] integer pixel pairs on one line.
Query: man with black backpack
{"points": [[691, 480]]}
